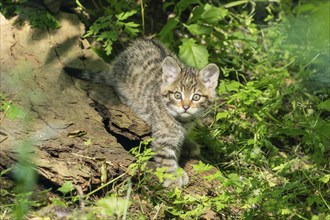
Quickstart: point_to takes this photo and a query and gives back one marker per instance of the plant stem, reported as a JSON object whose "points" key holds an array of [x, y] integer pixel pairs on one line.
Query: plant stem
{"points": [[142, 15], [106, 184], [6, 111]]}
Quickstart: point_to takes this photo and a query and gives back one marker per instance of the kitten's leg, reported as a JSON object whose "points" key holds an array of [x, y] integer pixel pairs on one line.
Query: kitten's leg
{"points": [[168, 148]]}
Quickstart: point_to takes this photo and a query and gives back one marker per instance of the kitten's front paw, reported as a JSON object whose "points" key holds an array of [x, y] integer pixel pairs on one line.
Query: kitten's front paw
{"points": [[178, 179]]}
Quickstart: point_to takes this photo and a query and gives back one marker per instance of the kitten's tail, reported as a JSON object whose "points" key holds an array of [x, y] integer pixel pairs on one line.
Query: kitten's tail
{"points": [[101, 77]]}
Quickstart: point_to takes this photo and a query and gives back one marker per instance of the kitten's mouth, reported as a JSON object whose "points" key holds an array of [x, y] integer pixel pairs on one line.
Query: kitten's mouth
{"points": [[185, 114], [185, 117]]}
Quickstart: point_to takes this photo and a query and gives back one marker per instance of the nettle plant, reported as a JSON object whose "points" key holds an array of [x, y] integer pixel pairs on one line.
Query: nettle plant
{"points": [[119, 21], [32, 13], [107, 29]]}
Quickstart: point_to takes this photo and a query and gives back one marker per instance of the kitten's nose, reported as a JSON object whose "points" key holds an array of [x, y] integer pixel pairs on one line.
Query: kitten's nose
{"points": [[186, 107]]}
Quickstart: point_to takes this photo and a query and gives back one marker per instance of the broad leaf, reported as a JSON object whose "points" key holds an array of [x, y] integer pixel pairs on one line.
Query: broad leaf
{"points": [[324, 105], [221, 115], [198, 29], [193, 54], [13, 112], [184, 4], [213, 14], [66, 187], [197, 13], [325, 178], [166, 34]]}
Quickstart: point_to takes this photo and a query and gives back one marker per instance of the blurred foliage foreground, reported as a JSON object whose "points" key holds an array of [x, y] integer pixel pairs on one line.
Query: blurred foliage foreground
{"points": [[270, 132]]}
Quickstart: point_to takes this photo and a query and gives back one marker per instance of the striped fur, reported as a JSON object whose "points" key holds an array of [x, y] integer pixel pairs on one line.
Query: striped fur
{"points": [[163, 92]]}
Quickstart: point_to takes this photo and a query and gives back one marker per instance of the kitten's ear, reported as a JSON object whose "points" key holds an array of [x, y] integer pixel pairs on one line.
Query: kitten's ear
{"points": [[210, 75], [171, 70]]}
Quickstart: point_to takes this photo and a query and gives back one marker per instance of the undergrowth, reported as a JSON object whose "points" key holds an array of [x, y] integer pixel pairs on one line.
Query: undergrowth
{"points": [[268, 138]]}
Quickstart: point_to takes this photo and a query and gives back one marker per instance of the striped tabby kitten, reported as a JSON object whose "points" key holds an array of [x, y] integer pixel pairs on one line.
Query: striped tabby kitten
{"points": [[165, 93]]}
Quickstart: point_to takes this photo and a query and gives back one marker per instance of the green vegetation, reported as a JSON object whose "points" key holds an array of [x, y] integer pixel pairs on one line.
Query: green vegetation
{"points": [[270, 132], [37, 17]]}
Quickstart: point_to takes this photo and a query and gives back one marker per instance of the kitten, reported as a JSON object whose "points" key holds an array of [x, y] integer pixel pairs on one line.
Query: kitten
{"points": [[164, 92]]}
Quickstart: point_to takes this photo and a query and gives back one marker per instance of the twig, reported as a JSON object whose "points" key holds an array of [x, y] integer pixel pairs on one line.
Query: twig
{"points": [[155, 217], [127, 199], [6, 111], [5, 138], [104, 185], [81, 198]]}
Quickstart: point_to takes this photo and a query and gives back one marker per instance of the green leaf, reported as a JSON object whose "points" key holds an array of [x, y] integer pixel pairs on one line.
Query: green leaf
{"points": [[113, 206], [197, 29], [325, 178], [124, 15], [131, 28], [107, 47], [184, 4], [166, 34], [325, 105], [107, 35], [58, 202], [193, 54], [292, 131], [202, 167], [88, 142], [66, 187], [98, 25], [13, 112], [285, 211], [5, 171], [250, 141], [231, 86], [213, 14], [197, 13], [284, 166], [235, 3], [221, 115]]}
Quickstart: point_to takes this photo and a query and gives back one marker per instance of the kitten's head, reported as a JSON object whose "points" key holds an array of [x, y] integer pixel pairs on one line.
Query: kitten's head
{"points": [[188, 91]]}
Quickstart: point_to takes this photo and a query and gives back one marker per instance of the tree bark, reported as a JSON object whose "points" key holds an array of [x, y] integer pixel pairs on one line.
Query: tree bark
{"points": [[70, 126]]}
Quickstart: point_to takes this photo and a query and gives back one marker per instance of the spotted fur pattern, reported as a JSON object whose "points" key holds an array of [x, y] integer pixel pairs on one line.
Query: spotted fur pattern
{"points": [[164, 92]]}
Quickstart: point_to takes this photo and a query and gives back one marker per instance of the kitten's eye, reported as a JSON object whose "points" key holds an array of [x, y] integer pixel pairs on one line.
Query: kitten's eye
{"points": [[196, 97], [177, 95]]}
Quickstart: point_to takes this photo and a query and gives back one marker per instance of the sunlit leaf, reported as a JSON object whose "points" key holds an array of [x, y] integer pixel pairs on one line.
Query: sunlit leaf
{"points": [[131, 28], [213, 14], [193, 54], [221, 115], [197, 29], [113, 206], [66, 188], [58, 202], [124, 15], [13, 112], [236, 3], [325, 178]]}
